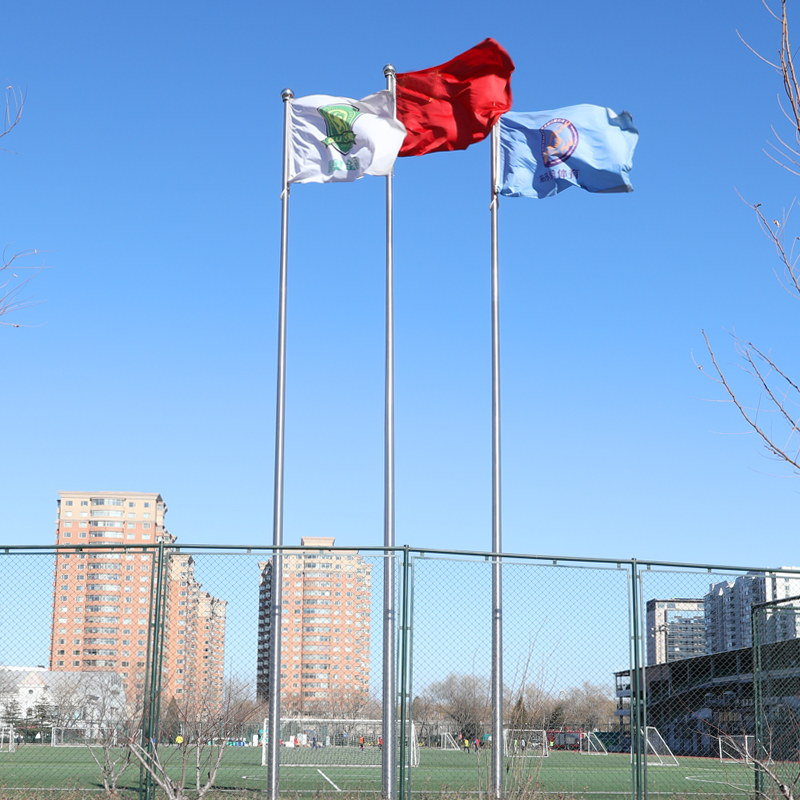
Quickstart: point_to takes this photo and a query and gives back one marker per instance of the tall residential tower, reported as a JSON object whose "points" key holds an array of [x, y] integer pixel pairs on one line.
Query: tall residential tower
{"points": [[325, 640], [102, 597]]}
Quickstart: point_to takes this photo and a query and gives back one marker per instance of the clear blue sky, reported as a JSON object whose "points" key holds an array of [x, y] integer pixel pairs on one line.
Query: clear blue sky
{"points": [[147, 165]]}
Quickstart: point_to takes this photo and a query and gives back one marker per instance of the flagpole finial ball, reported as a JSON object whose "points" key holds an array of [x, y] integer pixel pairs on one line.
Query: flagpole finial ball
{"points": [[287, 94], [389, 70]]}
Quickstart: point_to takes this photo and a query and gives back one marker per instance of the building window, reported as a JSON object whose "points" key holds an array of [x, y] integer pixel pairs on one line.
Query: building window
{"points": [[68, 503], [84, 502], [147, 505]]}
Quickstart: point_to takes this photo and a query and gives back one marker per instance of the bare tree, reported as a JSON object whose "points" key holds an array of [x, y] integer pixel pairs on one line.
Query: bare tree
{"points": [[770, 406], [67, 696], [186, 765], [776, 765], [590, 707], [108, 729], [463, 699]]}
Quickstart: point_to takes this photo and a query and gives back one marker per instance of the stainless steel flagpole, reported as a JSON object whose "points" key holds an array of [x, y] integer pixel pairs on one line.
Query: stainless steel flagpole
{"points": [[274, 726], [389, 754], [497, 537]]}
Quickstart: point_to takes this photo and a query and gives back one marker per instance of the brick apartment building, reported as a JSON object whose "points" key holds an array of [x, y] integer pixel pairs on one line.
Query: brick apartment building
{"points": [[194, 636], [325, 638], [101, 599]]}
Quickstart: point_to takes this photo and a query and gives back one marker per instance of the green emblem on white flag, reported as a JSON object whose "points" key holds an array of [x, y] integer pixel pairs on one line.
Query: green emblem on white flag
{"points": [[339, 121], [333, 139]]}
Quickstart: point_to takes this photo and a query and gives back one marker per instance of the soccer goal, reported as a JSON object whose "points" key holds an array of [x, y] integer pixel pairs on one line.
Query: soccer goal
{"points": [[656, 749], [68, 737], [525, 743], [447, 742], [737, 748], [592, 746], [338, 742], [81, 737], [8, 743]]}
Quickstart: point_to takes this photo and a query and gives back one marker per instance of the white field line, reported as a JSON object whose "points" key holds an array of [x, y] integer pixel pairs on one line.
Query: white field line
{"points": [[329, 780]]}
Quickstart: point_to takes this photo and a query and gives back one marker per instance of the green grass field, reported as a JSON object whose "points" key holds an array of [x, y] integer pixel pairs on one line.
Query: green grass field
{"points": [[570, 775]]}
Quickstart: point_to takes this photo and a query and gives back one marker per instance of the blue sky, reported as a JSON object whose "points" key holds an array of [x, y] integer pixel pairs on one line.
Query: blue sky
{"points": [[147, 166]]}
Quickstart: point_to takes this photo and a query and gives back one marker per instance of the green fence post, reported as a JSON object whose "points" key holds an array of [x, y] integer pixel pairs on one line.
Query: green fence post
{"points": [[642, 689], [160, 625], [403, 678], [757, 701], [152, 681], [636, 710]]}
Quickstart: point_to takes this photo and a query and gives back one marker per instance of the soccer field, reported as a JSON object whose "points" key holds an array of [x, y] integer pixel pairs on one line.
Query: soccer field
{"points": [[568, 774]]}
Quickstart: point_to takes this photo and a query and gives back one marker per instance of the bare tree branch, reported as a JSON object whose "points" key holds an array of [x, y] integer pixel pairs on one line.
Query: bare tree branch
{"points": [[12, 286], [774, 413], [15, 102]]}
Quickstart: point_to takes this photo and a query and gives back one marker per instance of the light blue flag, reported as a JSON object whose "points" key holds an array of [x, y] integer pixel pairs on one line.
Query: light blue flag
{"points": [[544, 152]]}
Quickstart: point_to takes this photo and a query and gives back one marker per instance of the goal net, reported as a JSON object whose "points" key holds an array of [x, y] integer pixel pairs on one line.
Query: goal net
{"points": [[81, 737], [8, 742], [656, 749], [737, 748], [592, 746], [338, 742], [525, 743], [447, 742]]}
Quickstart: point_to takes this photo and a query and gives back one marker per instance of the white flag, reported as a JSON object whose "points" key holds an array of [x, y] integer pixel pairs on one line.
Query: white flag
{"points": [[339, 139]]}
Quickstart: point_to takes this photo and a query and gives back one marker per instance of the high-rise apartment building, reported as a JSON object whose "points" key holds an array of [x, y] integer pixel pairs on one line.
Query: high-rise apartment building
{"points": [[194, 636], [728, 606], [325, 637], [675, 630], [102, 598]]}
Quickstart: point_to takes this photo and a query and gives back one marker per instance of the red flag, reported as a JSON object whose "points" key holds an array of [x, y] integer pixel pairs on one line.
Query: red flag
{"points": [[454, 105]]}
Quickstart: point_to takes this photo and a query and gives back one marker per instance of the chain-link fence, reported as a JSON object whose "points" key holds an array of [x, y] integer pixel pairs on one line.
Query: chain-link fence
{"points": [[125, 668], [775, 748]]}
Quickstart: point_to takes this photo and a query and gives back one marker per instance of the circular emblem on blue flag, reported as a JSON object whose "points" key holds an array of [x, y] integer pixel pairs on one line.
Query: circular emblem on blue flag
{"points": [[559, 140]]}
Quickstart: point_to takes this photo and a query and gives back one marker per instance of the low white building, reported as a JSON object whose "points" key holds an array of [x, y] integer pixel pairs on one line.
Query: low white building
{"points": [[86, 701]]}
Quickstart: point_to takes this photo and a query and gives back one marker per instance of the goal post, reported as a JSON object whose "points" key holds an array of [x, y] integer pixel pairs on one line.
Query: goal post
{"points": [[67, 737], [737, 748], [337, 742], [591, 745], [525, 743], [447, 742], [656, 749], [83, 737], [8, 742]]}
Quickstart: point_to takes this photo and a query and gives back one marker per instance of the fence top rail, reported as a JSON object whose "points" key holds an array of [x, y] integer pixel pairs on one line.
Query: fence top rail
{"points": [[780, 601], [634, 563]]}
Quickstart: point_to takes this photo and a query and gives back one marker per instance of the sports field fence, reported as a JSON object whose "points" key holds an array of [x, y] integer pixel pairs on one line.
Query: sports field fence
{"points": [[124, 665]]}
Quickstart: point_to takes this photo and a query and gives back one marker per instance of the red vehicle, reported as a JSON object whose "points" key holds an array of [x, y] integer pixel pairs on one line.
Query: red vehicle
{"points": [[564, 739]]}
